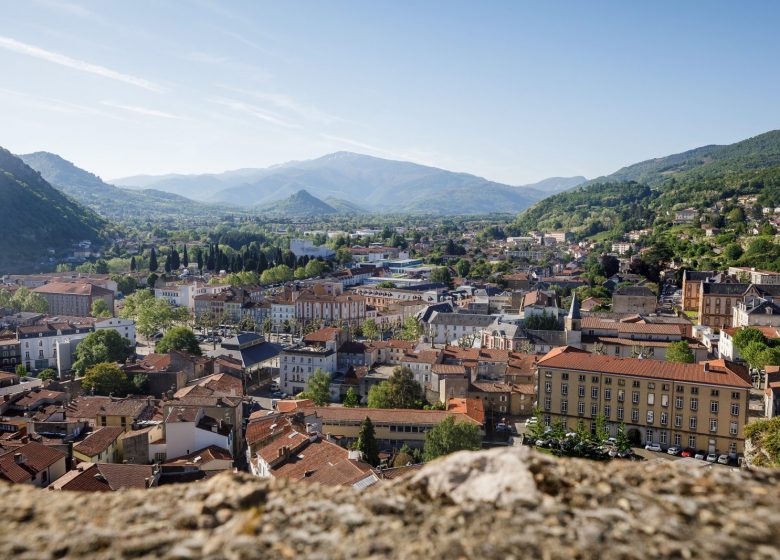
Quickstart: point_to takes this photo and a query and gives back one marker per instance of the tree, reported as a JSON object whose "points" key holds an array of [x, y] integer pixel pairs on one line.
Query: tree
{"points": [[25, 300], [100, 309], [153, 264], [403, 457], [602, 432], [318, 388], [610, 265], [47, 375], [386, 285], [400, 391], [105, 379], [764, 434], [537, 429], [412, 329], [21, 371], [441, 274], [370, 329], [745, 336], [449, 436], [583, 433], [125, 284], [352, 399], [623, 444], [104, 345], [732, 252], [185, 260], [463, 267], [132, 264], [366, 443], [179, 338], [247, 324], [679, 352]]}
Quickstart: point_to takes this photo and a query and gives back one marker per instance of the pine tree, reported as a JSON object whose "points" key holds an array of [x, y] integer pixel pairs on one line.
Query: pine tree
{"points": [[175, 260], [366, 443], [186, 258], [199, 256], [132, 264], [262, 263], [153, 265]]}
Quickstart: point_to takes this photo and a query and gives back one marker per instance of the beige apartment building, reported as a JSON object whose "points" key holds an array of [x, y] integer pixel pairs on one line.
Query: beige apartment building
{"points": [[702, 406]]}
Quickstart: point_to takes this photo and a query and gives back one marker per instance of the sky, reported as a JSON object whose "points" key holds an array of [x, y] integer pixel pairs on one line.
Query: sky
{"points": [[513, 91]]}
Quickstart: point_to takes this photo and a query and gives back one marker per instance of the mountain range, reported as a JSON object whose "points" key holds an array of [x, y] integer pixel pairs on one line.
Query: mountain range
{"points": [[35, 216], [376, 184], [109, 200], [634, 196]]}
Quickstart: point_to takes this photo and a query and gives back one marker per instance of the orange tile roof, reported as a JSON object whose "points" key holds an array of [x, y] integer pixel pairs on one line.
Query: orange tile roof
{"points": [[325, 463], [105, 477], [37, 457], [323, 335], [73, 288], [98, 441], [720, 372], [386, 415], [472, 408], [293, 405]]}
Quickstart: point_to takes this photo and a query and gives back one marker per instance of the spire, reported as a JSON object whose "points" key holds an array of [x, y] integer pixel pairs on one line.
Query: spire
{"points": [[574, 310]]}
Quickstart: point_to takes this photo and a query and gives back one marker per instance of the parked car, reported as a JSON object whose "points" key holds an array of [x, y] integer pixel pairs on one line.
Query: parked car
{"points": [[277, 394], [653, 446], [688, 452], [612, 441], [723, 459], [712, 457], [531, 420], [674, 450], [701, 455]]}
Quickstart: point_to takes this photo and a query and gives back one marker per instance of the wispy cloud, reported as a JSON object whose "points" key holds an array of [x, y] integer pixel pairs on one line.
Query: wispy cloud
{"points": [[257, 112], [287, 103], [63, 60], [141, 110], [56, 105]]}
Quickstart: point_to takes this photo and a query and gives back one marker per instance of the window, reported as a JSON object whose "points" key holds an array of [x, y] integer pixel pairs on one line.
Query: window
{"points": [[692, 442], [580, 408], [635, 384], [713, 424], [733, 448], [664, 418], [620, 413], [679, 389], [635, 415], [678, 402], [650, 416], [594, 409], [735, 395], [733, 428], [564, 406], [594, 392], [608, 381], [621, 381], [663, 435], [564, 389], [607, 411], [694, 390], [651, 385], [621, 395], [581, 378], [664, 400], [677, 421], [607, 394], [649, 436], [547, 420], [735, 409], [714, 407], [547, 387], [677, 439], [635, 397], [595, 379], [650, 398], [665, 387], [694, 404], [692, 423], [565, 376], [715, 393], [547, 404], [581, 390]]}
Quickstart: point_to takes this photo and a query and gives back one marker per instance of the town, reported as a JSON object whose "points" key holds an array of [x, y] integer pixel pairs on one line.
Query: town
{"points": [[376, 362]]}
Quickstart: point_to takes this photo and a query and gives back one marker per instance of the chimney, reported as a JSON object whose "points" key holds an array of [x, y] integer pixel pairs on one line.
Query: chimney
{"points": [[19, 459], [706, 366]]}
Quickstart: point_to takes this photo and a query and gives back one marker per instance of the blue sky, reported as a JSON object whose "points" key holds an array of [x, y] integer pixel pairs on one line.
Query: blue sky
{"points": [[513, 91]]}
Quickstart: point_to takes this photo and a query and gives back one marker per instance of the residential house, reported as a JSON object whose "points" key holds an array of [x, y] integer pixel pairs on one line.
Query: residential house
{"points": [[108, 477], [101, 446], [31, 463]]}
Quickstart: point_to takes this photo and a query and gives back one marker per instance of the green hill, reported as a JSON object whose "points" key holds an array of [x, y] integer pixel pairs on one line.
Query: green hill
{"points": [[300, 203], [637, 195], [36, 217], [108, 200]]}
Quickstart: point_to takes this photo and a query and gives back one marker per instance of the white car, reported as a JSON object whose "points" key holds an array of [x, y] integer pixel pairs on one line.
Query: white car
{"points": [[674, 450], [653, 446], [723, 459], [712, 457]]}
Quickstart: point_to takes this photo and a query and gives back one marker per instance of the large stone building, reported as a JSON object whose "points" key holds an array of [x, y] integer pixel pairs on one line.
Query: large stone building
{"points": [[74, 298], [633, 299], [701, 406]]}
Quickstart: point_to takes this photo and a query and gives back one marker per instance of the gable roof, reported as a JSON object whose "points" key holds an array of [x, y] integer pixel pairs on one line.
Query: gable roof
{"points": [[105, 477], [98, 441], [35, 456]]}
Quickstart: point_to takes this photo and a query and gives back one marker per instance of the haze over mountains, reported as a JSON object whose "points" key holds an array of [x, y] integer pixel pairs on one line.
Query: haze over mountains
{"points": [[375, 184]]}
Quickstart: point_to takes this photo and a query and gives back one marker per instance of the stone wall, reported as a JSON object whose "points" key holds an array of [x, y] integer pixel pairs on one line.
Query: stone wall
{"points": [[507, 503]]}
